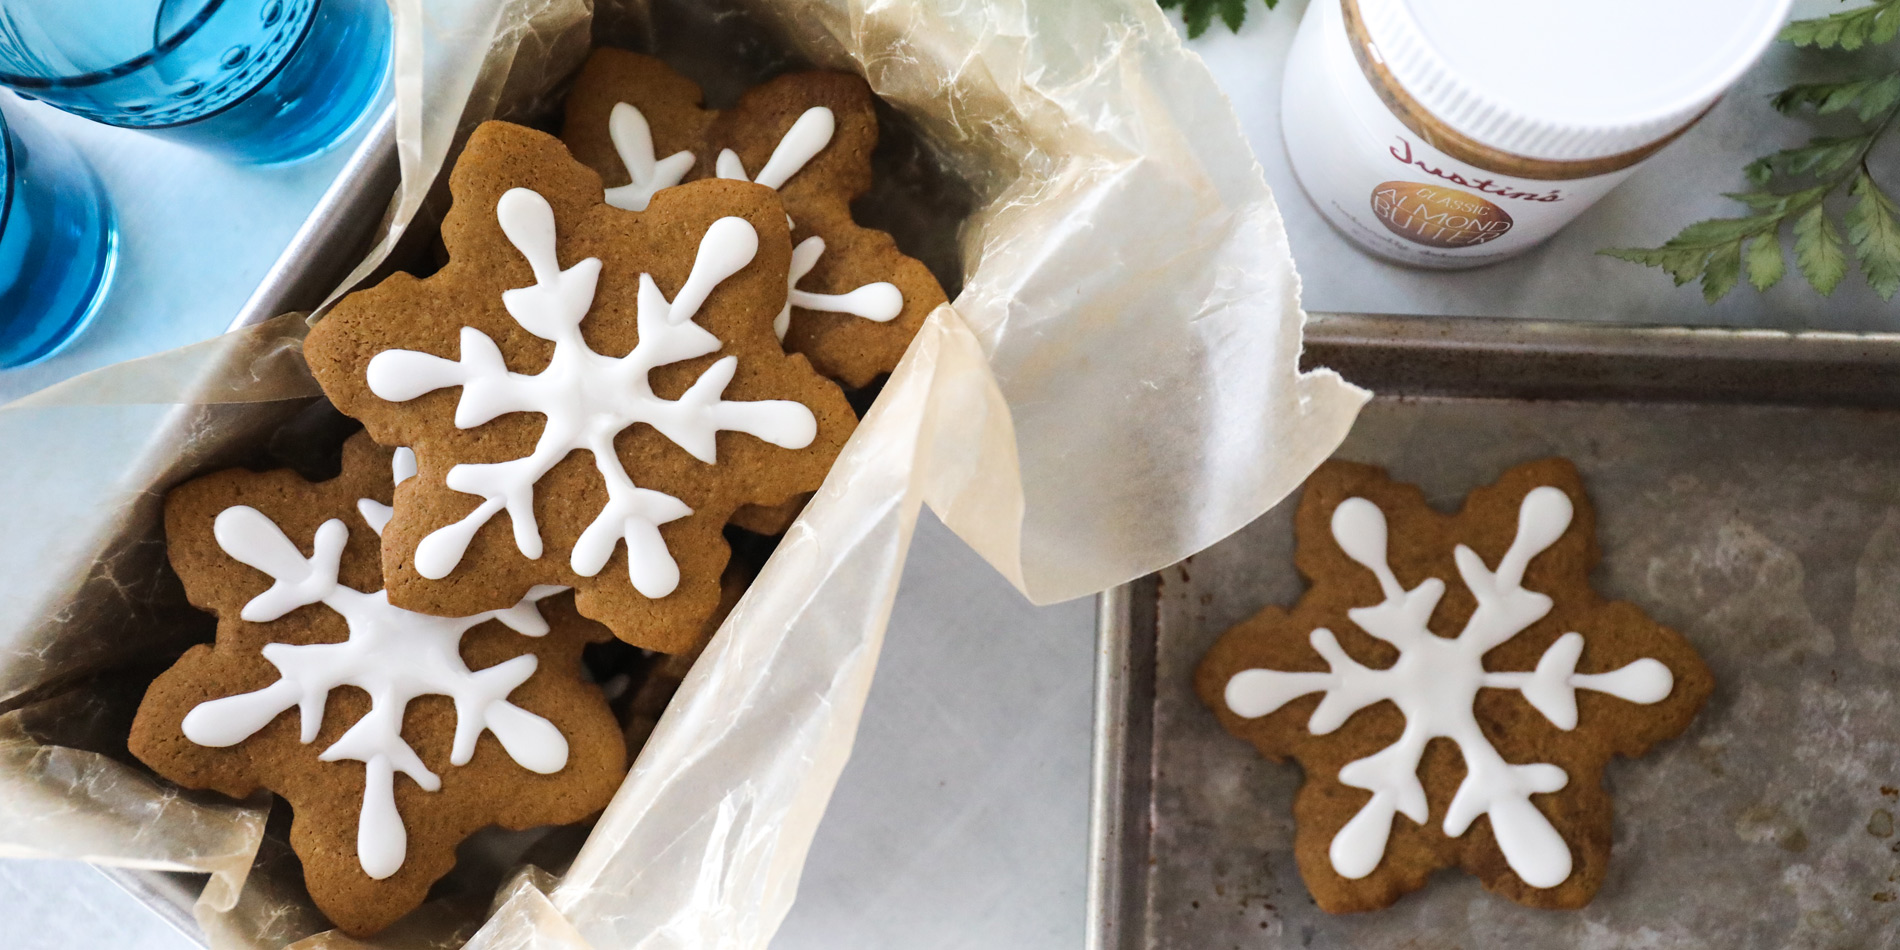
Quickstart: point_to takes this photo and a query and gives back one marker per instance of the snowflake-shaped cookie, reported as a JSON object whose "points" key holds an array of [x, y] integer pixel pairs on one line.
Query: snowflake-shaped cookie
{"points": [[1441, 724], [590, 392], [393, 735], [856, 300]]}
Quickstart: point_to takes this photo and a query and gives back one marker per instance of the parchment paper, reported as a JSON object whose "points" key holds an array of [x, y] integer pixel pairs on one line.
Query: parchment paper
{"points": [[1114, 388]]}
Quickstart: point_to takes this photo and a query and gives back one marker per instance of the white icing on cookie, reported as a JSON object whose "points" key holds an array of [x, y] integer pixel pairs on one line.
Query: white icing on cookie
{"points": [[402, 464], [808, 136], [880, 301], [799, 145], [377, 514], [394, 656], [586, 399], [633, 140], [1434, 683]]}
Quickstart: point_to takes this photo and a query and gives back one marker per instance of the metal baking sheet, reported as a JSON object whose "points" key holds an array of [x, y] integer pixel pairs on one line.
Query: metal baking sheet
{"points": [[1747, 488]]}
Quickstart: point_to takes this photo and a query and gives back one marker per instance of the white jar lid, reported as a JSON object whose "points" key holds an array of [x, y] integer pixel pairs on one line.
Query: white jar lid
{"points": [[1568, 80]]}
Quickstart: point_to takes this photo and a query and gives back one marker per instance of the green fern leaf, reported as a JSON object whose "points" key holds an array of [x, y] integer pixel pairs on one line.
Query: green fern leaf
{"points": [[1198, 15], [1817, 250], [1875, 235], [1723, 269], [1765, 263], [1849, 29]]}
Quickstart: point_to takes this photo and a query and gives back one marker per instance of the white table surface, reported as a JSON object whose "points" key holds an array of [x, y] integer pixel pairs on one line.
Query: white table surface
{"points": [[961, 820]]}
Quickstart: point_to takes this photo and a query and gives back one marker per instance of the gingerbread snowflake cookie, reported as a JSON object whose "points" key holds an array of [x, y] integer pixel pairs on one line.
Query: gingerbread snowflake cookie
{"points": [[393, 735], [590, 392], [1452, 688], [855, 299]]}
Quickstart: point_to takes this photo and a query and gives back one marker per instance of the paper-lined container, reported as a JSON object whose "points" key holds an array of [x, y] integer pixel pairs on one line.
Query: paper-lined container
{"points": [[1113, 388]]}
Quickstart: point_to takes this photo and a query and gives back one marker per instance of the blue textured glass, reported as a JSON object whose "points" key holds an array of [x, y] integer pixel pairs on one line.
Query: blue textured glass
{"points": [[56, 243], [263, 80]]}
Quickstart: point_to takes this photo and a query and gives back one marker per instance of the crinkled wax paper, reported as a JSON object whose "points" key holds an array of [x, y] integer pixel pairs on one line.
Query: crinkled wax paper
{"points": [[1114, 388]]}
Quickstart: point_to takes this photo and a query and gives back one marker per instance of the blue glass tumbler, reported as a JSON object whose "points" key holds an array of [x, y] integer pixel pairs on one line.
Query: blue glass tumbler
{"points": [[263, 81], [56, 243]]}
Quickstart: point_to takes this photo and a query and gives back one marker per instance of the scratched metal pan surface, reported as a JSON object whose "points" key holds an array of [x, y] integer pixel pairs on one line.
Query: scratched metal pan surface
{"points": [[1747, 488]]}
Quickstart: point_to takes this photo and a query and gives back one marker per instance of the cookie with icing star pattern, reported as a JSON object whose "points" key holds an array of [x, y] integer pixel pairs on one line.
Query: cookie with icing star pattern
{"points": [[392, 735], [591, 392], [1452, 687], [856, 299]]}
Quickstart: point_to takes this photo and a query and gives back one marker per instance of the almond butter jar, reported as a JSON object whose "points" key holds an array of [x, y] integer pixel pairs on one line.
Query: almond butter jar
{"points": [[1455, 133]]}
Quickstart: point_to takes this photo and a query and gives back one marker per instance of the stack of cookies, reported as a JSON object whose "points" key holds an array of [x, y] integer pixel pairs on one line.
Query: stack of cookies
{"points": [[633, 344]]}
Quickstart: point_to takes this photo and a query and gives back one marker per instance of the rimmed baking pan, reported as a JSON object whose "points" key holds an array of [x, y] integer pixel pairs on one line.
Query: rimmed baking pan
{"points": [[1747, 489]]}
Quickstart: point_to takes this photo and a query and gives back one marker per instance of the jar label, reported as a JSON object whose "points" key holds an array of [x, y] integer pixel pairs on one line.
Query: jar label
{"points": [[1438, 216]]}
